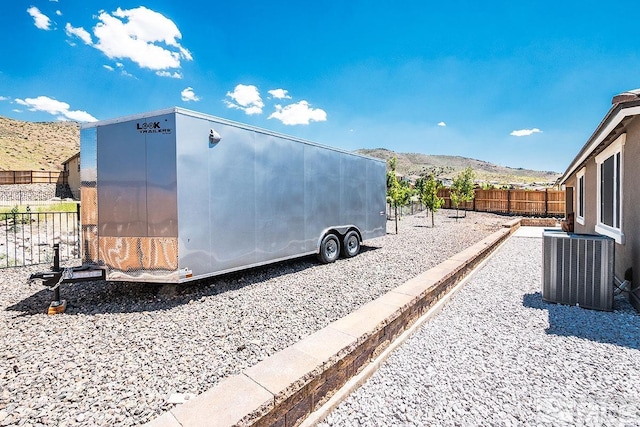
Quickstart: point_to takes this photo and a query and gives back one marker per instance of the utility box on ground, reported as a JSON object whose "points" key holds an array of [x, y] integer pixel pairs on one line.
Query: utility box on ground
{"points": [[577, 269]]}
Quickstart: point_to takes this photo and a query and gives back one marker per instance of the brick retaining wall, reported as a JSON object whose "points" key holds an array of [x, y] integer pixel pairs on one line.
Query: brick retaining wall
{"points": [[285, 388]]}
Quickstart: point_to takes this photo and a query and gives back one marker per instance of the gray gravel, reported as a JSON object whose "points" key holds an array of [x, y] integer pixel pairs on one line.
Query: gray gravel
{"points": [[498, 355], [122, 352]]}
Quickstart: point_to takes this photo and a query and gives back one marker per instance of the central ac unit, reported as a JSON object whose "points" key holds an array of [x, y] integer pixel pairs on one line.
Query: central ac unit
{"points": [[577, 269]]}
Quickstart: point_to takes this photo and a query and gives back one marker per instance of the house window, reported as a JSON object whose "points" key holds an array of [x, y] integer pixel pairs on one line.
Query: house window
{"points": [[610, 190], [580, 197]]}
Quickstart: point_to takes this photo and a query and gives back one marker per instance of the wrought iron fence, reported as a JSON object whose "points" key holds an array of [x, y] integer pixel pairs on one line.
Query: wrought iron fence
{"points": [[27, 238], [414, 207]]}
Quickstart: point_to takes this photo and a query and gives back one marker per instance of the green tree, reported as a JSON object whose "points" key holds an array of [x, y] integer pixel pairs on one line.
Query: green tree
{"points": [[463, 189], [487, 186], [456, 199], [392, 163], [429, 195], [398, 193], [419, 186]]}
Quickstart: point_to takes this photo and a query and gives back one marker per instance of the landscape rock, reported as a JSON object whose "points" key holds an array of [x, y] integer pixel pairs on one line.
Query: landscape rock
{"points": [[121, 348], [497, 354]]}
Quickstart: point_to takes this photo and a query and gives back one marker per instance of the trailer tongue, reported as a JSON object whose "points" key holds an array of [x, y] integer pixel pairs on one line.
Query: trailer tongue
{"points": [[58, 276]]}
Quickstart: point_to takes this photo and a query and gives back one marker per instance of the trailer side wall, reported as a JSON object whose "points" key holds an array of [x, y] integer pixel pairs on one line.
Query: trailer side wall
{"points": [[254, 198]]}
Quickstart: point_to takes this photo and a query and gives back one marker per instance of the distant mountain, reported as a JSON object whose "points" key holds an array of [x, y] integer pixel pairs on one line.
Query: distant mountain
{"points": [[37, 145], [45, 145], [447, 167]]}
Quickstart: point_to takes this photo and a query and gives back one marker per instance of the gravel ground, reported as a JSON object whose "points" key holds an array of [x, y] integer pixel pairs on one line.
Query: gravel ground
{"points": [[498, 355], [122, 350]]}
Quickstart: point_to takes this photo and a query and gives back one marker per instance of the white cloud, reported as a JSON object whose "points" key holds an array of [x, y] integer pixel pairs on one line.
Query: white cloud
{"points": [[299, 113], [119, 66], [80, 116], [56, 108], [246, 98], [142, 35], [4, 98], [79, 32], [442, 124], [525, 132], [189, 95], [59, 13], [174, 75], [279, 94], [41, 20]]}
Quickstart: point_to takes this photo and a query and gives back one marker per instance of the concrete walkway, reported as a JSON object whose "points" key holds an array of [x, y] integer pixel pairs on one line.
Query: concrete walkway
{"points": [[534, 232]]}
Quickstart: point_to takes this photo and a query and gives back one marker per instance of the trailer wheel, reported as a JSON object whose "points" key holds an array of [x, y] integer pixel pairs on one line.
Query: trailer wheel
{"points": [[329, 249], [350, 244]]}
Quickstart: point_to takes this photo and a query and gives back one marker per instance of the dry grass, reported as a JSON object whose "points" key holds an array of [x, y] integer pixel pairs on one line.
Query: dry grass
{"points": [[449, 166], [37, 145]]}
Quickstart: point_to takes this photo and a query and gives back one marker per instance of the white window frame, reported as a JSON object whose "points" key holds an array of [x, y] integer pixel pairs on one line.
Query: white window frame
{"points": [[579, 175], [614, 148]]}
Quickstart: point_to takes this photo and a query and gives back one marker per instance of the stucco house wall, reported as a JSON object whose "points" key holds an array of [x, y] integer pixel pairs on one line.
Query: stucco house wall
{"points": [[629, 254], [590, 198], [612, 132], [72, 167]]}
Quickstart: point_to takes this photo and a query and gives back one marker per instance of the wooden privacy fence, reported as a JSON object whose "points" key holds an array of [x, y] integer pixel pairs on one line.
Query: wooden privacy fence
{"points": [[518, 202], [33, 177]]}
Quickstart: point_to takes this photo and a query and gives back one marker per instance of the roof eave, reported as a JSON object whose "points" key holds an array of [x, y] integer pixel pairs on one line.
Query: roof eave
{"points": [[71, 158], [614, 116]]}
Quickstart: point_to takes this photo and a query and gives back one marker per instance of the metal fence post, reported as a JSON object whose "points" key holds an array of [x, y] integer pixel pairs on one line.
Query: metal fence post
{"points": [[56, 267], [78, 227]]}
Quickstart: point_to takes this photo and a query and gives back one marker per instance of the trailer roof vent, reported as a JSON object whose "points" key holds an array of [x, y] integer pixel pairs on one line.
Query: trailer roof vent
{"points": [[214, 137]]}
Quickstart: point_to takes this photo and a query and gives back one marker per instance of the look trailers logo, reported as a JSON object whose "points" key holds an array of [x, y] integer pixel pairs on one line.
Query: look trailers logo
{"points": [[152, 127]]}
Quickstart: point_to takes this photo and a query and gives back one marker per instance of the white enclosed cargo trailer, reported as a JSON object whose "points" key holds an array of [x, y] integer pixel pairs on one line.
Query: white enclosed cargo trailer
{"points": [[174, 195]]}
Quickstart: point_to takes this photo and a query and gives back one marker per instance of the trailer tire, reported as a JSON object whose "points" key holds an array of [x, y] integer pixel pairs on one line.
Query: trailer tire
{"points": [[329, 249], [350, 244]]}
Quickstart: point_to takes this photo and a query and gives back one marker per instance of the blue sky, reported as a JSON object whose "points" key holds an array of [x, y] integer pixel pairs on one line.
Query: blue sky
{"points": [[521, 84]]}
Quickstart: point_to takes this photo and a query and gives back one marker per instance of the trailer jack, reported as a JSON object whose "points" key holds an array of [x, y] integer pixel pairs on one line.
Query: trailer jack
{"points": [[57, 276]]}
